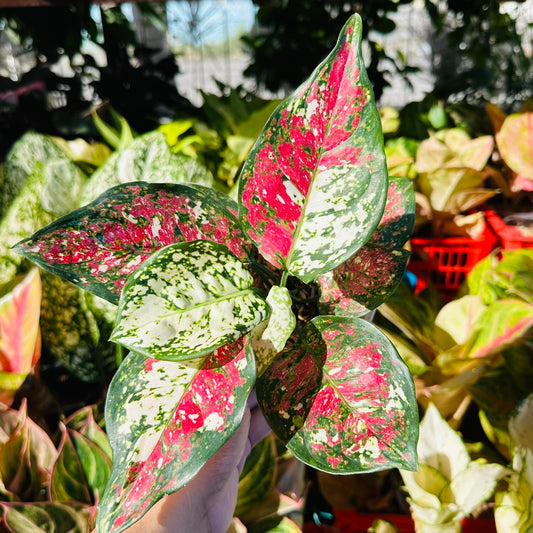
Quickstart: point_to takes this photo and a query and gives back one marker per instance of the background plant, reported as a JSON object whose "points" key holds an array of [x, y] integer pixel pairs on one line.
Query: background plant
{"points": [[316, 203]]}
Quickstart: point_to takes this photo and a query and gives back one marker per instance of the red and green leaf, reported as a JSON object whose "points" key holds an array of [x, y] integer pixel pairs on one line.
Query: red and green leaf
{"points": [[372, 274], [313, 188], [44, 517], [503, 323], [99, 245], [26, 457], [164, 421], [342, 399], [19, 325], [187, 300], [515, 142], [81, 471]]}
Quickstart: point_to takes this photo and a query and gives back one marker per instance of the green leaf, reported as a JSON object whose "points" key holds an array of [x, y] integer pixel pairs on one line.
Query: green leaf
{"points": [[342, 399], [147, 158], [313, 188], [84, 423], [164, 420], [459, 317], [98, 246], [29, 152], [26, 214], [81, 471], [187, 300], [45, 518], [258, 476], [26, 459], [269, 338]]}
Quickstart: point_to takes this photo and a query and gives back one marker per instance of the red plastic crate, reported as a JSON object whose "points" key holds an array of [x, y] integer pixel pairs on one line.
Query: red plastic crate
{"points": [[445, 262], [511, 237]]}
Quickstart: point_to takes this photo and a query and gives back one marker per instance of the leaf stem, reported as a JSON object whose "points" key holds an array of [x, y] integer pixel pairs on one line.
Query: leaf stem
{"points": [[283, 281]]}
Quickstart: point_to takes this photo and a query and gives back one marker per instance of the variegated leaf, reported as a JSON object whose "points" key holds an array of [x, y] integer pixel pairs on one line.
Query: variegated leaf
{"points": [[147, 158], [45, 517], [342, 399], [372, 274], [81, 470], [313, 188], [503, 323], [187, 300], [269, 338], [99, 245], [20, 346], [164, 421]]}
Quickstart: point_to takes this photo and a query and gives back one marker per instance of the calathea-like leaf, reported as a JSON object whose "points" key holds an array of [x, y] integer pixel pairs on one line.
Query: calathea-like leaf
{"points": [[99, 245], [372, 274], [187, 300], [313, 188], [342, 399], [165, 420]]}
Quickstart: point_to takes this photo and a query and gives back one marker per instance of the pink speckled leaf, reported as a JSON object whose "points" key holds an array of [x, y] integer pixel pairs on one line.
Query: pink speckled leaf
{"points": [[372, 274], [99, 245], [313, 188], [342, 399], [165, 420]]}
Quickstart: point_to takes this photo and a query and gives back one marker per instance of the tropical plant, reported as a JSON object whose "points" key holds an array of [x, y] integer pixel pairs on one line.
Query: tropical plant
{"points": [[49, 488], [20, 336], [476, 346], [180, 261], [448, 485], [514, 506]]}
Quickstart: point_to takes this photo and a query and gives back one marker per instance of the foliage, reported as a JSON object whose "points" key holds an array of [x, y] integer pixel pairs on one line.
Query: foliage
{"points": [[514, 506], [45, 488], [135, 80], [474, 347], [20, 337], [448, 485], [182, 262], [463, 68], [285, 28]]}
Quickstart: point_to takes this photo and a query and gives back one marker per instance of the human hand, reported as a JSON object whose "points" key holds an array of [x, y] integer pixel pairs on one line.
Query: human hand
{"points": [[207, 502]]}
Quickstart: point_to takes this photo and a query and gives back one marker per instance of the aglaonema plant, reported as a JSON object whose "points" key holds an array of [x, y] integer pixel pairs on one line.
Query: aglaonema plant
{"points": [[216, 297]]}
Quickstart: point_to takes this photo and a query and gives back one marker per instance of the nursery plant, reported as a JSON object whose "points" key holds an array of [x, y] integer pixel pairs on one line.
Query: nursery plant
{"points": [[448, 485], [216, 297]]}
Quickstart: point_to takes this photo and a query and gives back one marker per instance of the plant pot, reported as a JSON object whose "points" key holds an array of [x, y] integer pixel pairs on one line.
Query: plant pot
{"points": [[512, 237], [445, 262]]}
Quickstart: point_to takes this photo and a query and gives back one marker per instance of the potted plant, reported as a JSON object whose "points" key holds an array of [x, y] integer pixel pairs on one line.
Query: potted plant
{"points": [[511, 219], [329, 228]]}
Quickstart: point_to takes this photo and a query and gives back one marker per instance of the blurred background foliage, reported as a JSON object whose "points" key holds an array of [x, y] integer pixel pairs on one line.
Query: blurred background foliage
{"points": [[477, 54]]}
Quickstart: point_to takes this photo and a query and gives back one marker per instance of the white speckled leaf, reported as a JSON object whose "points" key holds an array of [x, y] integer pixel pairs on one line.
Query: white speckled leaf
{"points": [[372, 274], [185, 301], [313, 188], [165, 420], [269, 338]]}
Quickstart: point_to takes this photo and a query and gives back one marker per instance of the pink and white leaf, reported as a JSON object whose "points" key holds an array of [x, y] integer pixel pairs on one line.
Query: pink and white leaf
{"points": [[165, 420], [341, 399], [313, 188], [99, 245]]}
